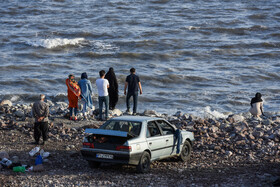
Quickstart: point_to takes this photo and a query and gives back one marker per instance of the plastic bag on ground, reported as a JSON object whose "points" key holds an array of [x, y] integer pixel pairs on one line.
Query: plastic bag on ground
{"points": [[6, 162], [39, 160], [45, 154], [19, 169], [42, 152], [34, 151]]}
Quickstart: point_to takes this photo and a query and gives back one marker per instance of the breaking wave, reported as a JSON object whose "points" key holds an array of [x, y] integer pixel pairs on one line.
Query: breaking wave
{"points": [[56, 42], [213, 113]]}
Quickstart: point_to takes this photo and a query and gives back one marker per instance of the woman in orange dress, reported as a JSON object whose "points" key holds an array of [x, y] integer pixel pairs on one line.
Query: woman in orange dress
{"points": [[74, 93]]}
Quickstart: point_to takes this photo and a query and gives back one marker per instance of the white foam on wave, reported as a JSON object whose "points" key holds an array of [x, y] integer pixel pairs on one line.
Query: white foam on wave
{"points": [[102, 46], [14, 98], [56, 42], [208, 113], [192, 27]]}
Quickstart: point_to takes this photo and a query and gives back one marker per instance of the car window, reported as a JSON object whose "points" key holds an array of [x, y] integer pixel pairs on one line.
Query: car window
{"points": [[152, 129], [126, 126], [165, 127]]}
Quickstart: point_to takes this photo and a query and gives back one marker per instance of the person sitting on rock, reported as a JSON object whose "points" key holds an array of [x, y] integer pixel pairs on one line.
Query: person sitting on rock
{"points": [[40, 111], [257, 105]]}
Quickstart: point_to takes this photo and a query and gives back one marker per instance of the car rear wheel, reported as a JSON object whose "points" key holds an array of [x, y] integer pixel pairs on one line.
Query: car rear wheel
{"points": [[94, 164], [144, 165], [186, 151]]}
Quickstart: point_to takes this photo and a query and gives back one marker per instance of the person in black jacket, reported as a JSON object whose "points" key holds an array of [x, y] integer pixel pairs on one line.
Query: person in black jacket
{"points": [[133, 86]]}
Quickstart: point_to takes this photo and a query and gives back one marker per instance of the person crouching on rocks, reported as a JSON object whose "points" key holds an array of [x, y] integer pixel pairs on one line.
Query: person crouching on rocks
{"points": [[257, 105], [74, 93], [40, 111]]}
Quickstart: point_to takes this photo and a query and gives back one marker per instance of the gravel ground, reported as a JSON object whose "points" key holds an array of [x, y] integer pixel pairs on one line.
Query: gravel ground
{"points": [[66, 167]]}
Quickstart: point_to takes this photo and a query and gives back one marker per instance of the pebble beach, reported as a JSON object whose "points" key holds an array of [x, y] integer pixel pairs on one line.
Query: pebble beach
{"points": [[235, 150]]}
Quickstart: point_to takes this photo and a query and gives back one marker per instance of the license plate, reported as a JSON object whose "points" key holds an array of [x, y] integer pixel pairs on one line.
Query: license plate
{"points": [[107, 156]]}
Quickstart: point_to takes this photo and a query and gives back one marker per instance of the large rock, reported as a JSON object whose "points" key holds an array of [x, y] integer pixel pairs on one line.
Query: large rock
{"points": [[277, 133], [227, 127], [6, 102], [50, 103], [19, 113], [4, 154], [228, 153], [116, 112], [178, 114], [267, 122], [62, 104], [258, 134], [150, 113], [213, 129], [238, 118], [240, 128]]}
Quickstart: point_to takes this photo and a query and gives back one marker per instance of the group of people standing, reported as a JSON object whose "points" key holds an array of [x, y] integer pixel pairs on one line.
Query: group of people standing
{"points": [[108, 94], [107, 86]]}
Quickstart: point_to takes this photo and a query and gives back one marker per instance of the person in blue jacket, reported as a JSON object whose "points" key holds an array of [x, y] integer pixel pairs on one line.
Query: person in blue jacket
{"points": [[86, 92]]}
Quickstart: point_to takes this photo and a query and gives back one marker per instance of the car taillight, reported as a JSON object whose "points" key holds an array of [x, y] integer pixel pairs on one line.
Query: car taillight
{"points": [[88, 145], [124, 148]]}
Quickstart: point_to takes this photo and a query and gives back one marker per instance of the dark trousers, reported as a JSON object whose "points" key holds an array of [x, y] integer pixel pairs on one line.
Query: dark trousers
{"points": [[135, 99], [41, 128]]}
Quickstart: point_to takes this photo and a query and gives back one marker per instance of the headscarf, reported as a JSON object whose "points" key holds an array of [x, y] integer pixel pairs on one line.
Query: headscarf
{"points": [[84, 76], [257, 98]]}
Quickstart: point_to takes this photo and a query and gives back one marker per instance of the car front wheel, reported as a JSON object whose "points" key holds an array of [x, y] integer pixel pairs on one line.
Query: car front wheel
{"points": [[186, 151], [144, 165]]}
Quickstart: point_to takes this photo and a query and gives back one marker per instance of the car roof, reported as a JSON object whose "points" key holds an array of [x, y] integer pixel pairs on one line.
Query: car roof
{"points": [[135, 118]]}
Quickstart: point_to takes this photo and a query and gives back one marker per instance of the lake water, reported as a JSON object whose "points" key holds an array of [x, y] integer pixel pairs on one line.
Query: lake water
{"points": [[193, 56]]}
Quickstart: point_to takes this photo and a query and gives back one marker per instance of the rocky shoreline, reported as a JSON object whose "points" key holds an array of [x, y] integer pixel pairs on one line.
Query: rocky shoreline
{"points": [[221, 145]]}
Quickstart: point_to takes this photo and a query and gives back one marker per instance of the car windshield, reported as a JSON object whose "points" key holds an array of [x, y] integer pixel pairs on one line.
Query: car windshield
{"points": [[133, 128]]}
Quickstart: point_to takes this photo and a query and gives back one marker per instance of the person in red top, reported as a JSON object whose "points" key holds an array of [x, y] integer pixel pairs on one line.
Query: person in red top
{"points": [[74, 93]]}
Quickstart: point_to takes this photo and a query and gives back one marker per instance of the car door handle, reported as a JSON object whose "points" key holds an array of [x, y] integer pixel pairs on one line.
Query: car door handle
{"points": [[150, 143], [167, 140]]}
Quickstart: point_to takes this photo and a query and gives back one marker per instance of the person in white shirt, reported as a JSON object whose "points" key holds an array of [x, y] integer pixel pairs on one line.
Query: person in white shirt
{"points": [[102, 85]]}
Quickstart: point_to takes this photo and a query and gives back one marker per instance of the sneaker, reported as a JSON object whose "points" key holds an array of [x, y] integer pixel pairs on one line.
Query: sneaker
{"points": [[134, 114], [75, 119], [71, 118], [127, 111]]}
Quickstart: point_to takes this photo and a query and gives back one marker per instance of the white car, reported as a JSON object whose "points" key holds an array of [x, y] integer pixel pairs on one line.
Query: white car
{"points": [[136, 140]]}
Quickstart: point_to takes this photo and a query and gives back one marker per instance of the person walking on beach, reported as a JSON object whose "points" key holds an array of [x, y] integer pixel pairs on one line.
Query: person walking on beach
{"points": [[133, 85], [40, 111], [102, 87], [86, 92], [74, 93], [113, 89], [257, 105]]}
